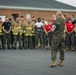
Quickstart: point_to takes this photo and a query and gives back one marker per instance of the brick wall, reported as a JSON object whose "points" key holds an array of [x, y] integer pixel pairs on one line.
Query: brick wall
{"points": [[43, 14]]}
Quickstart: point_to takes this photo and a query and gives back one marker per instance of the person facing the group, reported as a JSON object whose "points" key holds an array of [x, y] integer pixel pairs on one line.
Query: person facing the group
{"points": [[58, 39]]}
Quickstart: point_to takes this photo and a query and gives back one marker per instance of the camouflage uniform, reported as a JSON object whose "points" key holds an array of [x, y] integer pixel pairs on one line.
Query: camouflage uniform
{"points": [[17, 32], [29, 29], [58, 39]]}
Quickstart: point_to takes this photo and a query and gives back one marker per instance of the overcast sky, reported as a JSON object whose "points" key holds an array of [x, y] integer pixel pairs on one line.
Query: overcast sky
{"points": [[69, 2]]}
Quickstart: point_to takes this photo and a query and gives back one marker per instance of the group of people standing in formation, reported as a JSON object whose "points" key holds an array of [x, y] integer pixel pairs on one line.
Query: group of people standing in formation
{"points": [[58, 33]]}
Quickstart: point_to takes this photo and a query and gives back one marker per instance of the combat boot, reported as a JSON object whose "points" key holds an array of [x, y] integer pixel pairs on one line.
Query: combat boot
{"points": [[53, 63], [65, 50], [61, 63]]}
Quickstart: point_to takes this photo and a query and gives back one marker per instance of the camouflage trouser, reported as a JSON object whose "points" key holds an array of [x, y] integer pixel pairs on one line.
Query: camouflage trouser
{"points": [[6, 40], [70, 39], [39, 36], [19, 39], [57, 44], [28, 42]]}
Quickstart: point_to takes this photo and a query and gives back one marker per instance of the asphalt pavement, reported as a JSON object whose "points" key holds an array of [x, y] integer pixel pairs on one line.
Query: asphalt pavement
{"points": [[35, 62]]}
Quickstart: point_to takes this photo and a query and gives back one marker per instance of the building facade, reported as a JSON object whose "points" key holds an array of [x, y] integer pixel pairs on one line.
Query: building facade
{"points": [[47, 15]]}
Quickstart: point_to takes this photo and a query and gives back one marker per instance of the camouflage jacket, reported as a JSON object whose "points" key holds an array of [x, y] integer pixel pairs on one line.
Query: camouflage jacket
{"points": [[60, 25]]}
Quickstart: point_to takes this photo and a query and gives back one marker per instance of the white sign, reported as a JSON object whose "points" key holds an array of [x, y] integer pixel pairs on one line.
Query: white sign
{"points": [[3, 18], [28, 16]]}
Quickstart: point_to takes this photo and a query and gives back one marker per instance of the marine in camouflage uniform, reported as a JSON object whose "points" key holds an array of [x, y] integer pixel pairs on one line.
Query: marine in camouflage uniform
{"points": [[17, 32], [58, 40]]}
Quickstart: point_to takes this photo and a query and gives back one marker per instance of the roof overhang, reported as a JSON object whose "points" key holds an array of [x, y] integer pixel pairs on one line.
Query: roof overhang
{"points": [[35, 8]]}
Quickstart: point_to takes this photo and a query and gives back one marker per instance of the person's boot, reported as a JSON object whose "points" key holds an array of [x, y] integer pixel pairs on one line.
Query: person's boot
{"points": [[31, 47], [67, 48], [53, 64], [20, 48], [61, 63], [36, 47], [0, 47], [72, 48], [41, 47], [75, 50], [14, 47], [9, 47], [46, 47]]}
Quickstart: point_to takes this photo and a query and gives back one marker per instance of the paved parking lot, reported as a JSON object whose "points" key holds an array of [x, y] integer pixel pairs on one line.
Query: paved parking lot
{"points": [[34, 62]]}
